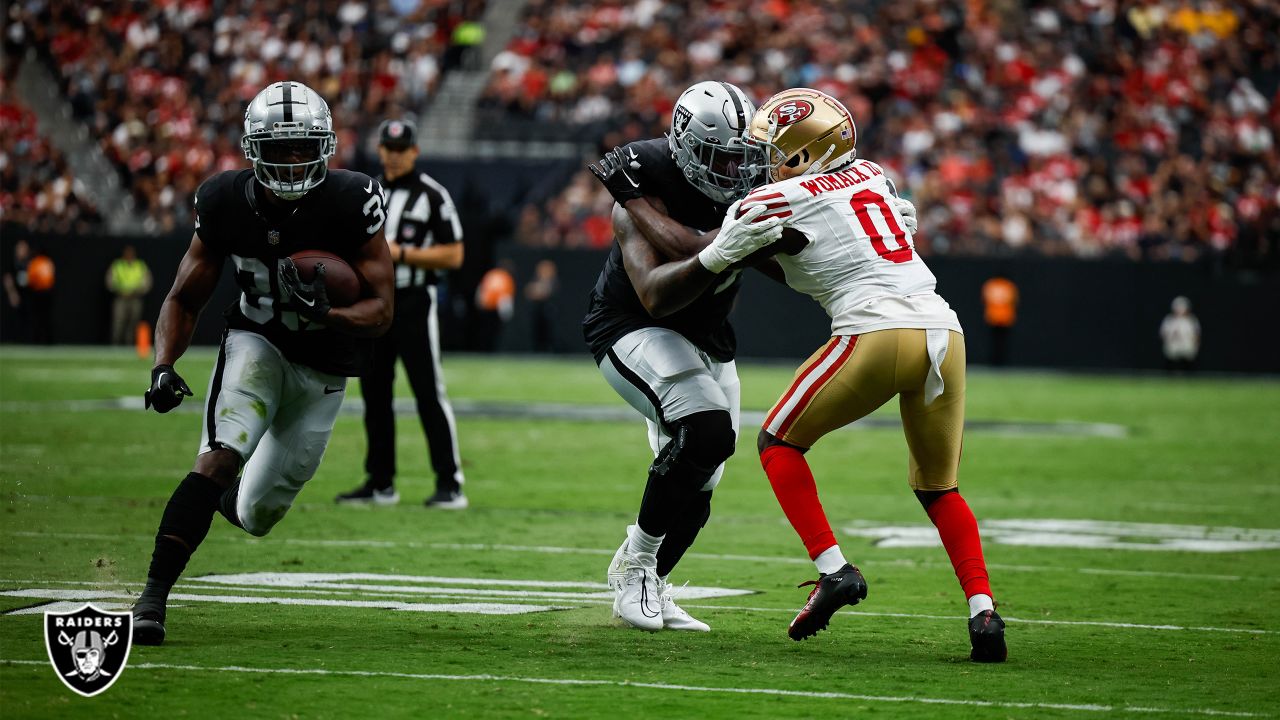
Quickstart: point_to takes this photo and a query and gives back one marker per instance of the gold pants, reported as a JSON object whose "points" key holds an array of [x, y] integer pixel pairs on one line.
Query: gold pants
{"points": [[852, 375]]}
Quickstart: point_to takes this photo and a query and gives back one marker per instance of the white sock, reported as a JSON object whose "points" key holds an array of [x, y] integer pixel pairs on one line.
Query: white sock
{"points": [[643, 542], [831, 560], [979, 603]]}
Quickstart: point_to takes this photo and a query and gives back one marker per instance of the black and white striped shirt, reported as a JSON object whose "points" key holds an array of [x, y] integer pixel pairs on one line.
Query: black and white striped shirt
{"points": [[420, 213]]}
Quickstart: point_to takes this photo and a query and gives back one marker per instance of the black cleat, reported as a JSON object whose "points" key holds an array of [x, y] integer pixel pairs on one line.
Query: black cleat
{"points": [[148, 627], [986, 634], [831, 592], [368, 494], [448, 500]]}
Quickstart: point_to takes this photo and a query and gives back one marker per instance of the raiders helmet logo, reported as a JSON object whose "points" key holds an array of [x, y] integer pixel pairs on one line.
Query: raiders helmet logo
{"points": [[681, 119], [792, 112], [88, 647]]}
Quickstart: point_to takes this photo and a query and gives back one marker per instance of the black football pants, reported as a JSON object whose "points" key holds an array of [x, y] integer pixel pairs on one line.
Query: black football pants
{"points": [[414, 337]]}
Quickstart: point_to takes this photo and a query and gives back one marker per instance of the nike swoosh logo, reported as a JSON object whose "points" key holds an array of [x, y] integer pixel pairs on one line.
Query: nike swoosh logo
{"points": [[370, 188], [329, 391], [308, 303], [634, 184], [633, 153]]}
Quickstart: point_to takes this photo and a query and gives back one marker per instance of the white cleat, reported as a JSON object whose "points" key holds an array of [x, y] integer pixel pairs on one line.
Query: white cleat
{"points": [[614, 575], [675, 617], [639, 601]]}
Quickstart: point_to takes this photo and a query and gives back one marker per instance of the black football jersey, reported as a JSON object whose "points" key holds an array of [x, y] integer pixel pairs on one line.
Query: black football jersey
{"points": [[616, 310], [233, 218]]}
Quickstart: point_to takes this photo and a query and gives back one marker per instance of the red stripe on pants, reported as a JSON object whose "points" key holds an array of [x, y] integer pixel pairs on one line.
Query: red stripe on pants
{"points": [[797, 493]]}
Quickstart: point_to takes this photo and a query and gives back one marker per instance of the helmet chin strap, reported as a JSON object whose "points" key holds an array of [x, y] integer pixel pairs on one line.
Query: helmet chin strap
{"points": [[815, 167]]}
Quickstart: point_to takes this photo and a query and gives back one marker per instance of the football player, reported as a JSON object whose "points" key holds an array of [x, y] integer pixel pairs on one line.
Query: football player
{"points": [[675, 367], [286, 354], [846, 242]]}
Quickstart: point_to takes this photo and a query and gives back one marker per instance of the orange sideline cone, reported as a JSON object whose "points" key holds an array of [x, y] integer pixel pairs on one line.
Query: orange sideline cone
{"points": [[142, 340]]}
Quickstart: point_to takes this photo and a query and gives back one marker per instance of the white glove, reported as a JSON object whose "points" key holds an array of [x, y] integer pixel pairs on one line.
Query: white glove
{"points": [[908, 213], [739, 237]]}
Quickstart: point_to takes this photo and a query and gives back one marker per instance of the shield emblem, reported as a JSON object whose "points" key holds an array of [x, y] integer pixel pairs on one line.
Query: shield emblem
{"points": [[273, 237], [88, 647]]}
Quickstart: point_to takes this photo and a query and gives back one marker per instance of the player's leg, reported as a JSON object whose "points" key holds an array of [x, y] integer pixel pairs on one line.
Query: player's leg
{"points": [[934, 429], [379, 425], [843, 381], [420, 351], [243, 396], [292, 449], [666, 379]]}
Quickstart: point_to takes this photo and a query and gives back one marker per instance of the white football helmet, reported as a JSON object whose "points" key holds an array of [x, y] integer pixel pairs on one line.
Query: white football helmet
{"points": [[289, 137], [706, 138]]}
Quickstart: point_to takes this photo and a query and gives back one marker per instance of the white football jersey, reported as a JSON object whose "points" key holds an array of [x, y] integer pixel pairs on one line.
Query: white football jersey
{"points": [[860, 263]]}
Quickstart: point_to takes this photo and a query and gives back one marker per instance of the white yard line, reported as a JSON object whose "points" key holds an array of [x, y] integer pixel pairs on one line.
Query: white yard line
{"points": [[204, 592], [589, 682], [601, 552]]}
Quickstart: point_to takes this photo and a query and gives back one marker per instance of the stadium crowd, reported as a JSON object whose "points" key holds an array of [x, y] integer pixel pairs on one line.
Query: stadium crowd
{"points": [[162, 85], [37, 188], [1073, 127]]}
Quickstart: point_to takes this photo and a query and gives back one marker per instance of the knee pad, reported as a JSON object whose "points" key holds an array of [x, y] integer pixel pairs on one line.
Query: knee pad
{"points": [[929, 497], [699, 444]]}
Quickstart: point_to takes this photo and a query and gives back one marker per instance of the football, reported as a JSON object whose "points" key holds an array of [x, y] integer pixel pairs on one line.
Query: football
{"points": [[340, 280]]}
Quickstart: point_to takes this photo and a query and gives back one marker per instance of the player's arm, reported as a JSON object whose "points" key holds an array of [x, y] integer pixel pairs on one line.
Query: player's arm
{"points": [[669, 237], [197, 277], [667, 287], [370, 316]]}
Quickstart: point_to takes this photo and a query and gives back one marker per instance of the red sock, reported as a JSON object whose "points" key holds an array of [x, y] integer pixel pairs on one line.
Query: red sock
{"points": [[797, 493], [959, 532]]}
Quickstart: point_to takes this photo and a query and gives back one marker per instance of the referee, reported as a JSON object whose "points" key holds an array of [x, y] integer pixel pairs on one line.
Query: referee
{"points": [[425, 239]]}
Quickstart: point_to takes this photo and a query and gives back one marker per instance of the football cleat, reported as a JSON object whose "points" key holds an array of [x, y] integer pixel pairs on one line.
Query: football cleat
{"points": [[986, 634], [448, 500], [616, 572], [148, 627], [638, 601], [831, 592], [675, 617], [367, 494]]}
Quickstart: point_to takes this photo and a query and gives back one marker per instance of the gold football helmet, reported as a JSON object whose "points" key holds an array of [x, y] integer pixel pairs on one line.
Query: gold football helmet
{"points": [[802, 132]]}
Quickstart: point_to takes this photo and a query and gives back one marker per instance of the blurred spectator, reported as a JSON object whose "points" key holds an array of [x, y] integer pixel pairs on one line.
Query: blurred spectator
{"points": [[1000, 312], [1141, 130], [541, 293], [129, 280], [28, 285], [162, 86], [1180, 335], [495, 304]]}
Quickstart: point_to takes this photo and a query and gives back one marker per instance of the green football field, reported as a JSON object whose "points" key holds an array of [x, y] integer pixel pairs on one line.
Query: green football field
{"points": [[1131, 526]]}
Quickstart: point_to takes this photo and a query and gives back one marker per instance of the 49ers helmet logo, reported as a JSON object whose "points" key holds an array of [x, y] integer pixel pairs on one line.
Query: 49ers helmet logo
{"points": [[792, 112]]}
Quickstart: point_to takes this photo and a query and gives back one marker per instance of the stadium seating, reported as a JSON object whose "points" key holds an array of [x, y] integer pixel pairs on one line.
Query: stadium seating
{"points": [[1064, 128]]}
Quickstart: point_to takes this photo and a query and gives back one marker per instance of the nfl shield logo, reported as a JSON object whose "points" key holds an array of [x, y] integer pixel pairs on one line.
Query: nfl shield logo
{"points": [[273, 237], [88, 647]]}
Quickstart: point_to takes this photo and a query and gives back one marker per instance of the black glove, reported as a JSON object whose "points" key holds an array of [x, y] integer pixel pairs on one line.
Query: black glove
{"points": [[616, 171], [310, 300], [167, 389]]}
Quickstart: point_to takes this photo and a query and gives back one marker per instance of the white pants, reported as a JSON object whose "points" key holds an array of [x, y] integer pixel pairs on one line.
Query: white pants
{"points": [[665, 377], [276, 415]]}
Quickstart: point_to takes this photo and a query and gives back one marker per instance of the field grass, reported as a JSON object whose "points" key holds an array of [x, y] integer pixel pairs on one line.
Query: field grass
{"points": [[1125, 628]]}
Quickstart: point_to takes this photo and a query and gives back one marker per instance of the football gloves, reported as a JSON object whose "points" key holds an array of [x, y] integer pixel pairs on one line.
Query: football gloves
{"points": [[617, 172], [310, 300], [167, 389], [739, 237], [908, 213]]}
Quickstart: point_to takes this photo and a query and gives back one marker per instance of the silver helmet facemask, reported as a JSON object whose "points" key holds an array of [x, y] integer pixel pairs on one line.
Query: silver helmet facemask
{"points": [[706, 140], [289, 138]]}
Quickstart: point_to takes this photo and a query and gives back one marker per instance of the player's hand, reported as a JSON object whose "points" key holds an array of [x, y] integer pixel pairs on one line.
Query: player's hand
{"points": [[167, 389], [617, 172], [908, 213], [310, 300], [739, 237]]}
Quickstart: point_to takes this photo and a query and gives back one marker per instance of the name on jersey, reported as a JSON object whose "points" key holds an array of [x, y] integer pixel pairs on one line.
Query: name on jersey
{"points": [[840, 179]]}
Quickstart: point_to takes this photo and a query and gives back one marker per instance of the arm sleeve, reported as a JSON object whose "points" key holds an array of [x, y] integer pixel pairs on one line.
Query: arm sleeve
{"points": [[205, 212]]}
